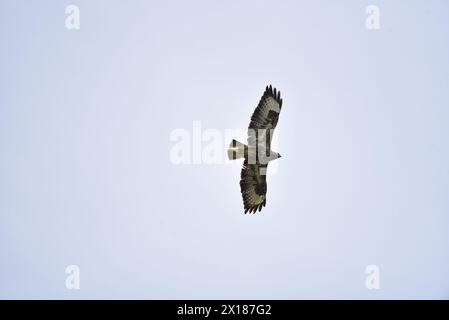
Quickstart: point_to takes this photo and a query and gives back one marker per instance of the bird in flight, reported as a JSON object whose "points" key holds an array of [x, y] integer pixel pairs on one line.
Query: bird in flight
{"points": [[257, 153]]}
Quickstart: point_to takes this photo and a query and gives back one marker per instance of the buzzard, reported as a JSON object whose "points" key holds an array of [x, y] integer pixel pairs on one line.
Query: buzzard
{"points": [[257, 154]]}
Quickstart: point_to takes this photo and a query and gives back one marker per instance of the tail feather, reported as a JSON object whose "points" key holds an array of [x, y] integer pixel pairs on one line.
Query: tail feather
{"points": [[236, 150]]}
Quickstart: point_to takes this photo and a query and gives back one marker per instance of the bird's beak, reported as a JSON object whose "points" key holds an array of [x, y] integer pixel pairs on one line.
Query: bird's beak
{"points": [[280, 156]]}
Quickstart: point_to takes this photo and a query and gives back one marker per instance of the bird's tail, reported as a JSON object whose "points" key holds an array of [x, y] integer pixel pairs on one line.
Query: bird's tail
{"points": [[236, 150]]}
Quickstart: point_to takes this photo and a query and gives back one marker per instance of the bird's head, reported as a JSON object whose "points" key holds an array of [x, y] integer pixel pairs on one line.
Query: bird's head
{"points": [[273, 156]]}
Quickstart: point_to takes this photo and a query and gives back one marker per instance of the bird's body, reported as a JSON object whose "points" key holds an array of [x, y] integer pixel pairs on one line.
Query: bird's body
{"points": [[257, 153]]}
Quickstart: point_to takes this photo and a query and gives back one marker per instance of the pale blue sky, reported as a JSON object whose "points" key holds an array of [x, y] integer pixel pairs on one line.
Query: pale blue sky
{"points": [[86, 178]]}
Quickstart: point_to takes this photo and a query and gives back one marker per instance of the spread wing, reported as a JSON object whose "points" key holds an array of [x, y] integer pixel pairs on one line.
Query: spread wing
{"points": [[265, 117], [253, 186]]}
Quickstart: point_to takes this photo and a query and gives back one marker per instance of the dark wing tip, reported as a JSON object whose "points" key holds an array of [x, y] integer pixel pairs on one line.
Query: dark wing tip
{"points": [[254, 209], [273, 92]]}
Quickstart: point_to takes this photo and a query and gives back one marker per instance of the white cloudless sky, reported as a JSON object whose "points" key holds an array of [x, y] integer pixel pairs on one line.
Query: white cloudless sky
{"points": [[85, 170]]}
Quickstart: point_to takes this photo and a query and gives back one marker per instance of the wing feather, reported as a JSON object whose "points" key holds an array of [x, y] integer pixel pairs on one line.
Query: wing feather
{"points": [[253, 187], [265, 117]]}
